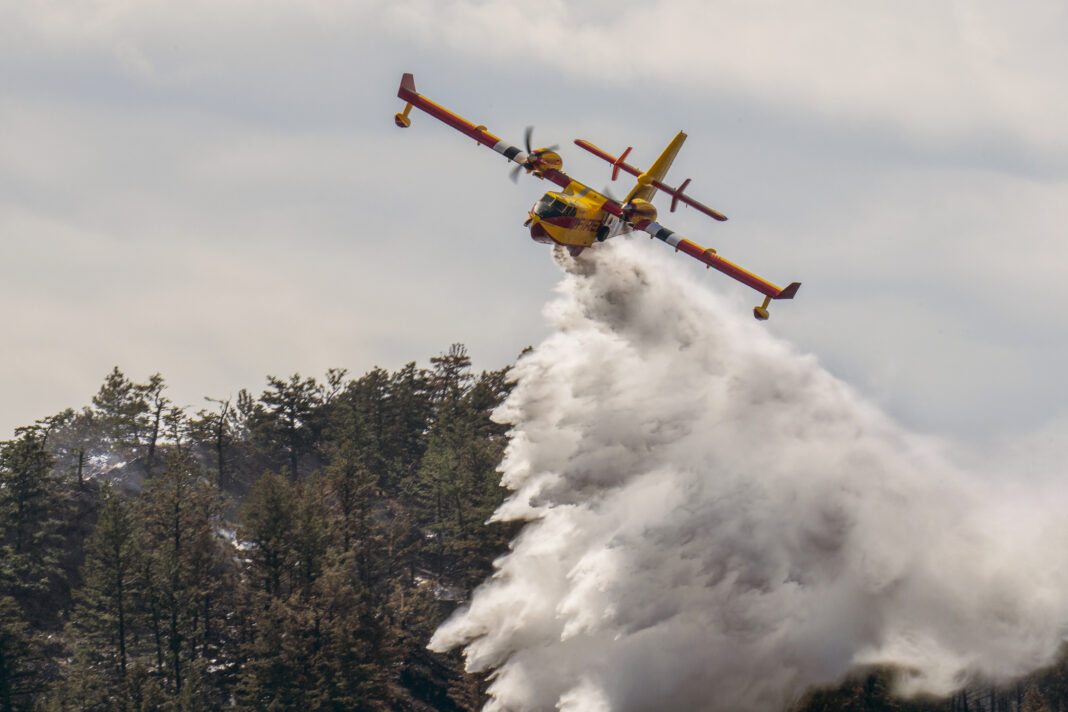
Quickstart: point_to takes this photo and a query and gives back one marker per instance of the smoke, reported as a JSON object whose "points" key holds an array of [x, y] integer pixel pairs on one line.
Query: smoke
{"points": [[716, 523]]}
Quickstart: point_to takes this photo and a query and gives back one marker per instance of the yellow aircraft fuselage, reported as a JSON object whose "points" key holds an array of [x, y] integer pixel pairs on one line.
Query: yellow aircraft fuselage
{"points": [[572, 218], [576, 217]]}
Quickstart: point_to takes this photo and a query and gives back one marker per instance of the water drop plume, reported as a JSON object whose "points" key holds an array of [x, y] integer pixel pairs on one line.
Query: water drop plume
{"points": [[714, 522]]}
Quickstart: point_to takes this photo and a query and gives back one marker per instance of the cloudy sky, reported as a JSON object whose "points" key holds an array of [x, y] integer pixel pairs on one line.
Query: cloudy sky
{"points": [[216, 190]]}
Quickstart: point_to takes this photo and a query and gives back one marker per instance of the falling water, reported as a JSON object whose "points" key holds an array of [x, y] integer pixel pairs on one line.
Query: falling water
{"points": [[714, 522]]}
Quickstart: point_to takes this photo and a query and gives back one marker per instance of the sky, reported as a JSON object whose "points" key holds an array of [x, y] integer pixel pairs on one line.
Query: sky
{"points": [[216, 191]]}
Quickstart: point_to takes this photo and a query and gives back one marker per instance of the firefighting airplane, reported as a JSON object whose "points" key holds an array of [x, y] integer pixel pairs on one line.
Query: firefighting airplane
{"points": [[579, 217]]}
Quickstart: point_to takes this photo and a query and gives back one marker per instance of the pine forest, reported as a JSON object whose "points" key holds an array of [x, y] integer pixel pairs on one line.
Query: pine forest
{"points": [[288, 551]]}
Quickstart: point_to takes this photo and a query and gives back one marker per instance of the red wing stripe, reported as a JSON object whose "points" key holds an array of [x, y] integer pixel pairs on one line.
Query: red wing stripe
{"points": [[711, 259], [729, 268], [457, 122], [407, 93]]}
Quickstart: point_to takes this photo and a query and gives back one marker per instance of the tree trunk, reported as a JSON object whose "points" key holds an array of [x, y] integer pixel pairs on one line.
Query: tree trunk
{"points": [[121, 605], [176, 648], [158, 632], [155, 434], [220, 433]]}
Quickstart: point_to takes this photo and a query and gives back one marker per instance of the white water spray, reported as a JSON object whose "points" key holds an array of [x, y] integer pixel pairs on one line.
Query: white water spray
{"points": [[716, 523]]}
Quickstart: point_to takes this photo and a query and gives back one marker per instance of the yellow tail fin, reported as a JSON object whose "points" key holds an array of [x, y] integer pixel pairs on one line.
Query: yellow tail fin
{"points": [[644, 190]]}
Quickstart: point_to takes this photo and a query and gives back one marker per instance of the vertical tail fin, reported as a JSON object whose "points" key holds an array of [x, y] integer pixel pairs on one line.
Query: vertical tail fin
{"points": [[644, 190]]}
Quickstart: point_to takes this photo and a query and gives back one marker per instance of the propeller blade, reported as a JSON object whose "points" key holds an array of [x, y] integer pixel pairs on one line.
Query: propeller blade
{"points": [[532, 160]]}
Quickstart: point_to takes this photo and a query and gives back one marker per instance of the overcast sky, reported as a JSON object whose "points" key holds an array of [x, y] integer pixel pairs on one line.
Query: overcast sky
{"points": [[216, 190]]}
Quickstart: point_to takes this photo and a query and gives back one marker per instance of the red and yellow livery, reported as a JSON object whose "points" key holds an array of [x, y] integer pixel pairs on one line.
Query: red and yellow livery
{"points": [[577, 216]]}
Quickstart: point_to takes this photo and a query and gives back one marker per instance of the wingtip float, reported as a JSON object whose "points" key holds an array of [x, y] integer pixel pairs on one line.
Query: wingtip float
{"points": [[577, 216]]}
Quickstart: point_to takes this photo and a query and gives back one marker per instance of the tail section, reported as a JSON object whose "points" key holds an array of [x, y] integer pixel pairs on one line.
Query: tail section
{"points": [[645, 190], [789, 292]]}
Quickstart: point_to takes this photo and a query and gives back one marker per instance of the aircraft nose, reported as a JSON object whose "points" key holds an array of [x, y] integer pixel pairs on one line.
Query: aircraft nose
{"points": [[538, 232]]}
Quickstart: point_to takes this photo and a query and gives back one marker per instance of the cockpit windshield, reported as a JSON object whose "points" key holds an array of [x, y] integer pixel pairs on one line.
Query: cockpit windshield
{"points": [[551, 206]]}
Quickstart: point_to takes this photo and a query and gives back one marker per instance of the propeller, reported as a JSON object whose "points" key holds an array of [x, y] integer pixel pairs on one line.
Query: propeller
{"points": [[533, 157]]}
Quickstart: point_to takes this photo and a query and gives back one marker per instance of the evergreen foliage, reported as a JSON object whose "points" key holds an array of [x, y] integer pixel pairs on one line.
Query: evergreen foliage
{"points": [[279, 552], [33, 508], [104, 617], [19, 677], [293, 551]]}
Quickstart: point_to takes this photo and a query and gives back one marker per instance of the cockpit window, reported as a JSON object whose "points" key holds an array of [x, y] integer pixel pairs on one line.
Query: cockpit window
{"points": [[551, 207]]}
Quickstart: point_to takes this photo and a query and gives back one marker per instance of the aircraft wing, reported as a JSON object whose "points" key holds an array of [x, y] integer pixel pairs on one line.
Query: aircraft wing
{"points": [[650, 181], [711, 259], [408, 93]]}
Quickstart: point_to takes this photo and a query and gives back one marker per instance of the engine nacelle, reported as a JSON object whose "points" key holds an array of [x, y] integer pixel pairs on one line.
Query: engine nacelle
{"points": [[545, 159], [639, 209]]}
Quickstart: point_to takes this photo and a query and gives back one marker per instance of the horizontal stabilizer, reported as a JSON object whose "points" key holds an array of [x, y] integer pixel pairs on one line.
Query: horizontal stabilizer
{"points": [[676, 194]]}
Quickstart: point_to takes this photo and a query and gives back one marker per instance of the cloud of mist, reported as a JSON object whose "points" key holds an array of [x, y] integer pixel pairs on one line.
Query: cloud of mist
{"points": [[716, 523]]}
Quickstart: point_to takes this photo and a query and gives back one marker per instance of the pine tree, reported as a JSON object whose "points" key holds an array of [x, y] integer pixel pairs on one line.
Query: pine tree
{"points": [[32, 507], [119, 407], [456, 488], [155, 406], [408, 412], [288, 407], [354, 489], [19, 678], [482, 447], [268, 530], [111, 589], [451, 374], [352, 656], [1033, 701], [247, 413], [71, 438], [273, 676], [187, 565], [215, 431], [359, 418], [82, 687], [311, 544], [335, 383]]}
